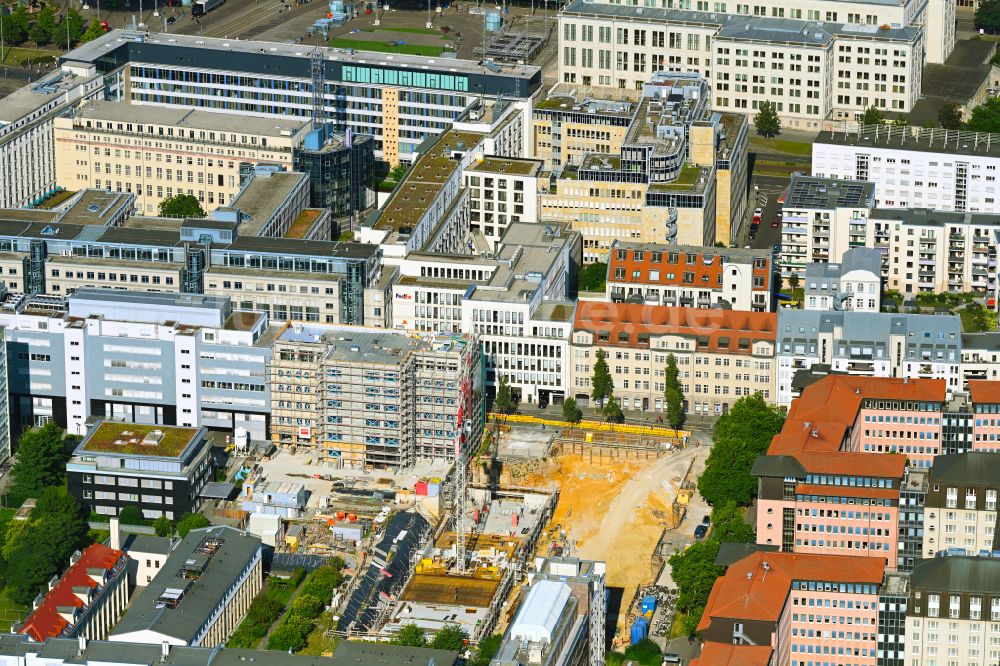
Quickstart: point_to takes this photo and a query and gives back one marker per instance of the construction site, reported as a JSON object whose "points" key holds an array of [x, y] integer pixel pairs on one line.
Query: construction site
{"points": [[624, 498]]}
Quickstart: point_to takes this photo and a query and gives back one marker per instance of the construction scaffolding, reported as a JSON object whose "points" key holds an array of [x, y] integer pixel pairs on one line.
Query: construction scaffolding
{"points": [[599, 445]]}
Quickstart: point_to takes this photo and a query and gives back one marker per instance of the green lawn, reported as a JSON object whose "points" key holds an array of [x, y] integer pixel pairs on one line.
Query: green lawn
{"points": [[319, 644], [10, 611], [382, 47], [23, 56], [799, 148]]}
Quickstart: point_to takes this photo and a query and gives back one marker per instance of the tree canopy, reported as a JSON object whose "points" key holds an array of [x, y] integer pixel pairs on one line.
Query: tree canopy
{"points": [[985, 117], [592, 277], [449, 637], [988, 16], [950, 116], [602, 385], [766, 121], [673, 394], [94, 30], [739, 437], [41, 462], [181, 205], [872, 116], [613, 411], [410, 635], [191, 521], [504, 402], [570, 411]]}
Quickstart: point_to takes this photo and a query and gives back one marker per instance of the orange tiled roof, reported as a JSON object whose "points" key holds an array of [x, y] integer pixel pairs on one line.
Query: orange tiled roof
{"points": [[984, 392], [821, 417], [45, 621], [720, 329], [747, 592], [727, 654]]}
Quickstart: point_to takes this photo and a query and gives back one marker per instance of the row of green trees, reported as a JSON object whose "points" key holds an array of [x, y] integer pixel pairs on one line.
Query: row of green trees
{"points": [[985, 118], [47, 28], [603, 394], [739, 437], [448, 637], [293, 632]]}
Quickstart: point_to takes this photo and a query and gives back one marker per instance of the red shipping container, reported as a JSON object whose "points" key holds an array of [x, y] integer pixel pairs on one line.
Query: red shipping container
{"points": [[420, 488]]}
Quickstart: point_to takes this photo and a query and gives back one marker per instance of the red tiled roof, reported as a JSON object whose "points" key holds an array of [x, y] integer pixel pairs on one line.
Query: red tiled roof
{"points": [[711, 325], [821, 417], [727, 654], [45, 621], [984, 392], [747, 592]]}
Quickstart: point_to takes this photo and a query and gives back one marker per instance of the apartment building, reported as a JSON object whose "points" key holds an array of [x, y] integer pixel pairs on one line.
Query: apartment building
{"points": [[960, 510], [376, 398], [679, 175], [854, 284], [502, 191], [161, 152], [86, 601], [5, 434], [872, 344], [514, 299], [27, 147], [938, 251], [914, 167], [201, 593], [561, 617], [831, 481], [789, 608], [822, 219], [953, 614], [812, 69], [143, 357], [722, 355], [158, 469], [397, 99], [690, 276]]}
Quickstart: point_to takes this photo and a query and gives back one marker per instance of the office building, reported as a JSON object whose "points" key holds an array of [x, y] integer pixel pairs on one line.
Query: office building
{"points": [[953, 613], [341, 170], [872, 344], [815, 61], [160, 470], [914, 167], [397, 99], [86, 601], [373, 397], [144, 357], [27, 145], [515, 299], [960, 510], [502, 191], [678, 176], [200, 594], [773, 600], [124, 148], [56, 252], [561, 617], [853, 284], [822, 219], [586, 582], [690, 276], [912, 496], [893, 598], [828, 484], [721, 355], [5, 434]]}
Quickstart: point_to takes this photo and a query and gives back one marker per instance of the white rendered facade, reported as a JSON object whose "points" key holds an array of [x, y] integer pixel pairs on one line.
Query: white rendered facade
{"points": [[915, 167], [813, 70]]}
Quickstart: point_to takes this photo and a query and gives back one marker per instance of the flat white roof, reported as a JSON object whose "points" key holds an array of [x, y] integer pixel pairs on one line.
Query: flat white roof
{"points": [[539, 615]]}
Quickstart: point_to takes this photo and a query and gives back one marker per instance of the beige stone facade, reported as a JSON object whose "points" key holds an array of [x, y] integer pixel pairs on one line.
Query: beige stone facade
{"points": [[157, 152]]}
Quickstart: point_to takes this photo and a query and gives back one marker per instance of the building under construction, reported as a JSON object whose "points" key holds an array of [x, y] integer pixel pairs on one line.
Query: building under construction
{"points": [[368, 398], [502, 530]]}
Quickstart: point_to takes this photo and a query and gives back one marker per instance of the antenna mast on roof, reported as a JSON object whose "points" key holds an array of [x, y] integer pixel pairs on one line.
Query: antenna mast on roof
{"points": [[318, 72]]}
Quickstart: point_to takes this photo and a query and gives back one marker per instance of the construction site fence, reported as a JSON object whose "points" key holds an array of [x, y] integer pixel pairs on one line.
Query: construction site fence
{"points": [[637, 429]]}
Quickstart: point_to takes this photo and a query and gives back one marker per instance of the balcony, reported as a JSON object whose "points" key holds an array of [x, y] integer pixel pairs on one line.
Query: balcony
{"points": [[860, 366]]}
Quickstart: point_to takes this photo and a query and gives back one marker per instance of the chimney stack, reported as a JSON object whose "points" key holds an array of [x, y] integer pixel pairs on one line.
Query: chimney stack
{"points": [[116, 534], [164, 651]]}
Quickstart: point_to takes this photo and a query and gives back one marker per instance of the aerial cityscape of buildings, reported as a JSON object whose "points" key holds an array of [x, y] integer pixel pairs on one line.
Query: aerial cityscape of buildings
{"points": [[357, 349]]}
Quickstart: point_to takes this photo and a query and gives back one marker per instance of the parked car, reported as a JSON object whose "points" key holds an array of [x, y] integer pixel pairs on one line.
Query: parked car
{"points": [[700, 531], [707, 520]]}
